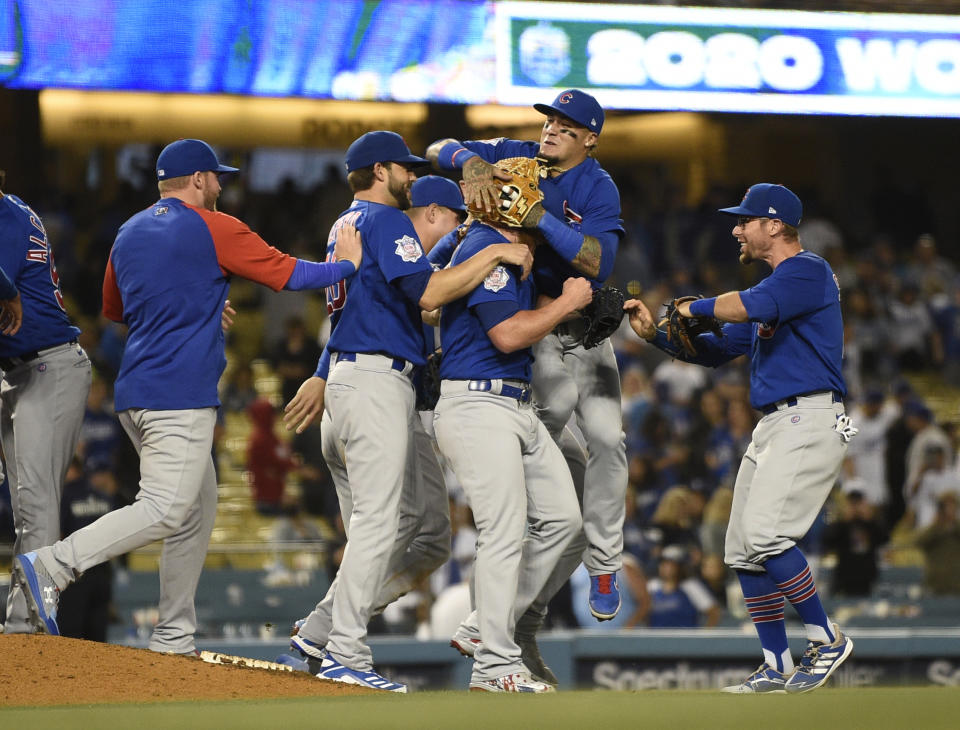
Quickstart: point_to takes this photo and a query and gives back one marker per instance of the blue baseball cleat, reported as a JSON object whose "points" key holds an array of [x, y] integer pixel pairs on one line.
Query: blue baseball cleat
{"points": [[818, 662], [604, 596], [765, 679], [40, 590], [307, 648], [297, 665], [331, 669]]}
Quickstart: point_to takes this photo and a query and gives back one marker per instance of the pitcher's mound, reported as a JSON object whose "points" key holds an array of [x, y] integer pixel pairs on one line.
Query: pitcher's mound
{"points": [[38, 670]]}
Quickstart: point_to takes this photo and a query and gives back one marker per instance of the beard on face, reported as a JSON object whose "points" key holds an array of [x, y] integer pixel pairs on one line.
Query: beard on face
{"points": [[210, 199], [400, 192]]}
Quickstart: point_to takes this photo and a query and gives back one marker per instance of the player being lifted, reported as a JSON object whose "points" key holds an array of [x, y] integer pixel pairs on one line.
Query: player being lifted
{"points": [[580, 220]]}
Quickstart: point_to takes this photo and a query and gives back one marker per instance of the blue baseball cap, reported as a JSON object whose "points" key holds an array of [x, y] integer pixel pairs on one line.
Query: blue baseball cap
{"points": [[767, 200], [380, 146], [435, 189], [578, 106], [187, 156]]}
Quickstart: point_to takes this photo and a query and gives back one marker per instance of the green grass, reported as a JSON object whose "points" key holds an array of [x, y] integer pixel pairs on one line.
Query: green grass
{"points": [[921, 708]]}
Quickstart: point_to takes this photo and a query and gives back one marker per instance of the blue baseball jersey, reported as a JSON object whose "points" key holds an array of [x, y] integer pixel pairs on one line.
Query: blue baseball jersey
{"points": [[794, 336], [27, 258], [378, 312], [167, 279], [468, 353], [584, 197]]}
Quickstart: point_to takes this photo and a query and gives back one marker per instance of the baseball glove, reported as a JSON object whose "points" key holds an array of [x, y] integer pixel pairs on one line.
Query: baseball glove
{"points": [[602, 316], [517, 196], [682, 330], [428, 392]]}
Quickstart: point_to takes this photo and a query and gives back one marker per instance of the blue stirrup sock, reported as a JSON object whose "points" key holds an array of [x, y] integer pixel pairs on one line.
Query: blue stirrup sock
{"points": [[791, 572], [765, 605]]}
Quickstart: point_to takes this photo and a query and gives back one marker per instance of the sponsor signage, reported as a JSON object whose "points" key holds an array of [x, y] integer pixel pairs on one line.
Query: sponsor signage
{"points": [[719, 59]]}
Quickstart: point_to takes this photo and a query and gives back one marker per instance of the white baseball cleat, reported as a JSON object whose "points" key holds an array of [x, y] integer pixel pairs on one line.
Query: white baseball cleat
{"points": [[516, 682], [465, 641]]}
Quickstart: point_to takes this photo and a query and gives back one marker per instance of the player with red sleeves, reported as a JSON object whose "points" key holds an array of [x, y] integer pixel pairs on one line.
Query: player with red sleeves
{"points": [[167, 279]]}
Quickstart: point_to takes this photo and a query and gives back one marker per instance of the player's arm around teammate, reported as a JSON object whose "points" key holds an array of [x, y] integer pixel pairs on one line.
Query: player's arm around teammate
{"points": [[485, 409], [167, 278]]}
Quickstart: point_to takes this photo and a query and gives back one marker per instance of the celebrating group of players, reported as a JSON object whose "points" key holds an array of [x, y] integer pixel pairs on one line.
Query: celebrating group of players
{"points": [[528, 416]]}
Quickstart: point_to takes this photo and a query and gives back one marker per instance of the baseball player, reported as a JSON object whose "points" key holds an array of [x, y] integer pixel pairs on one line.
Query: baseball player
{"points": [[167, 279], [46, 378], [422, 543], [790, 325], [485, 411], [580, 220], [376, 342]]}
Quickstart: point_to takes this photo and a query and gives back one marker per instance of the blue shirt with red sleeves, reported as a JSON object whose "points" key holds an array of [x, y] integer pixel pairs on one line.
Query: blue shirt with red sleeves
{"points": [[27, 258], [584, 197], [794, 336], [167, 279], [468, 352], [379, 311]]}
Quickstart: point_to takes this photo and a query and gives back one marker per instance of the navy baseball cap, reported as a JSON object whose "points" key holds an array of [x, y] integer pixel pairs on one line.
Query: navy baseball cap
{"points": [[187, 156], [380, 146], [767, 200], [435, 189], [578, 106]]}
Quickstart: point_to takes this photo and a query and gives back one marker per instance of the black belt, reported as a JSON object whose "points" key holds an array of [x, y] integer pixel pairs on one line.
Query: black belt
{"points": [[398, 364], [9, 363], [792, 401], [522, 394]]}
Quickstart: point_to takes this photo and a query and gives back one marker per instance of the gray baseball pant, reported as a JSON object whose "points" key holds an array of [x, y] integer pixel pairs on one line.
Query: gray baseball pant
{"points": [[41, 411], [523, 503], [568, 379], [177, 503], [423, 539], [785, 477], [372, 414]]}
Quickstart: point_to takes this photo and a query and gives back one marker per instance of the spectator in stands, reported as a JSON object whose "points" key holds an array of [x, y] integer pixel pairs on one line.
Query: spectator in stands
{"points": [[717, 578], [677, 600], [85, 605], [866, 454], [295, 358], [673, 524], [915, 341], [100, 432], [713, 528], [940, 543], [318, 495], [269, 459], [855, 538], [937, 477], [899, 436], [933, 273], [926, 434], [239, 392]]}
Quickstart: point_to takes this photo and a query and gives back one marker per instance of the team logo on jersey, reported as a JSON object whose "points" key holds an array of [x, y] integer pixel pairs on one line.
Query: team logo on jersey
{"points": [[571, 215], [765, 331], [794, 419], [160, 210], [496, 279], [408, 248]]}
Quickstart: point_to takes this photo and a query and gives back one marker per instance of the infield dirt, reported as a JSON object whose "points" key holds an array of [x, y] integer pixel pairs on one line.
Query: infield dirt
{"points": [[39, 670]]}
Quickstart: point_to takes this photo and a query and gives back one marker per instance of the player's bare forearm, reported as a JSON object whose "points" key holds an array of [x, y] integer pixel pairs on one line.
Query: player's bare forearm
{"points": [[456, 281], [529, 326]]}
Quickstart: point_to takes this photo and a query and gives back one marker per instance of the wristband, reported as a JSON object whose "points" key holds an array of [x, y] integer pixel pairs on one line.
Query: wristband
{"points": [[703, 307], [452, 156]]}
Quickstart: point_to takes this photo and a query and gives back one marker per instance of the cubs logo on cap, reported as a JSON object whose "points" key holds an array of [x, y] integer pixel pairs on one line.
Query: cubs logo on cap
{"points": [[769, 200], [578, 106]]}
